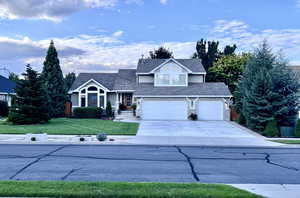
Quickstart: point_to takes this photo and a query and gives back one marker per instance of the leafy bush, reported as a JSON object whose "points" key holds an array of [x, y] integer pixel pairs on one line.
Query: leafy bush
{"points": [[3, 109], [271, 129], [87, 112], [122, 107], [133, 106], [101, 137], [193, 116], [109, 112]]}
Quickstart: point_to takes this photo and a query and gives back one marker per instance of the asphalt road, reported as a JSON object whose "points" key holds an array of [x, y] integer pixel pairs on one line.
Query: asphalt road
{"points": [[149, 163]]}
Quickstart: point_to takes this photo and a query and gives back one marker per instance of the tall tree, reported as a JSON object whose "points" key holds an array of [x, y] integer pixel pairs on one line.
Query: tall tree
{"points": [[229, 50], [54, 82], [161, 53], [31, 102], [228, 69], [267, 90], [13, 77], [69, 80], [209, 53]]}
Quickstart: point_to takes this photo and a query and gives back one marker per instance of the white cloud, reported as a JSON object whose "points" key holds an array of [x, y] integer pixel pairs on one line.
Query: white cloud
{"points": [[54, 10], [229, 32], [118, 33], [87, 53], [164, 1], [298, 3]]}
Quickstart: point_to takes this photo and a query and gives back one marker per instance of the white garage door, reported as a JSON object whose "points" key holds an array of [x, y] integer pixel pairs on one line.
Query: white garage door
{"points": [[210, 110], [164, 110]]}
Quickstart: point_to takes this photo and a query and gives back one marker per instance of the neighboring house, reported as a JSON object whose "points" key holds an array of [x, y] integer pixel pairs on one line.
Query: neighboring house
{"points": [[6, 89], [162, 89]]}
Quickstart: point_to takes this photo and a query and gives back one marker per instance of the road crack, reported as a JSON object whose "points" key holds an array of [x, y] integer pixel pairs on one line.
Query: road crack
{"points": [[188, 159], [36, 161], [70, 173]]}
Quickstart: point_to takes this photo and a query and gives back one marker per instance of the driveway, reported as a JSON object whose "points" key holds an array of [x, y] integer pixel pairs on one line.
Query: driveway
{"points": [[208, 133]]}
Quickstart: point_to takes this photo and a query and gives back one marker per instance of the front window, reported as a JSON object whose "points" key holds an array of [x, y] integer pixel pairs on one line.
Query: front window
{"points": [[171, 75]]}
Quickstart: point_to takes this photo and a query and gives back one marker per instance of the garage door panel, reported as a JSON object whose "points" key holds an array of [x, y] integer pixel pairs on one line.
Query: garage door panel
{"points": [[164, 110], [210, 110]]}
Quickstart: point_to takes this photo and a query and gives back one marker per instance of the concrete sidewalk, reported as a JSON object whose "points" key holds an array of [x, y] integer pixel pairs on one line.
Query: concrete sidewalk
{"points": [[272, 190]]}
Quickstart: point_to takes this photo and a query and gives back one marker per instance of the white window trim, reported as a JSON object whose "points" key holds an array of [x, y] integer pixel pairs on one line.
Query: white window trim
{"points": [[98, 95]]}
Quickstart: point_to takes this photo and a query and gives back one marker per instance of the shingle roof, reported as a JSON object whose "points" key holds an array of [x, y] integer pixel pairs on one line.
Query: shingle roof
{"points": [[195, 89], [147, 65], [125, 80], [6, 85], [105, 79]]}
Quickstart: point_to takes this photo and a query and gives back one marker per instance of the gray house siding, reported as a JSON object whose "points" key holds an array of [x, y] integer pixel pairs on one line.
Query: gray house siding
{"points": [[111, 97], [146, 79], [74, 99], [196, 78]]}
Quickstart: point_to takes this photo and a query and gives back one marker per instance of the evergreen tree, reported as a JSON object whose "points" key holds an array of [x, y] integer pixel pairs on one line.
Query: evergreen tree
{"points": [[267, 90], [14, 77], [229, 50], [161, 53], [54, 82], [69, 80], [108, 109], [31, 102], [285, 99], [258, 104]]}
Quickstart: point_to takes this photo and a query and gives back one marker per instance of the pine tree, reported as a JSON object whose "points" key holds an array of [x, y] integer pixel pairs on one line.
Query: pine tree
{"points": [[69, 79], [285, 99], [258, 102], [54, 82], [31, 102]]}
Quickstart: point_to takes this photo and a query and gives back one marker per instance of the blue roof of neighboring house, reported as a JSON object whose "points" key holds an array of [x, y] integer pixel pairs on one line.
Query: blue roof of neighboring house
{"points": [[6, 85]]}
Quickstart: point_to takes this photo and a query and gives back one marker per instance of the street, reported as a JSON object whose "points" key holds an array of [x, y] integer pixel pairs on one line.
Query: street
{"points": [[150, 163]]}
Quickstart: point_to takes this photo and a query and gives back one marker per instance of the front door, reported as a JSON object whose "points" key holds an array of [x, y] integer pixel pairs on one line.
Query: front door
{"points": [[127, 99]]}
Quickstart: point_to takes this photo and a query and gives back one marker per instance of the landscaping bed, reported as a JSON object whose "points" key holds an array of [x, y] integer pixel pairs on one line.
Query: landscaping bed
{"points": [[287, 141], [71, 126], [119, 190]]}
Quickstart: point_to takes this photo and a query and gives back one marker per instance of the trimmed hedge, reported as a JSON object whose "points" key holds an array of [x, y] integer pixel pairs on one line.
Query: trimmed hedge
{"points": [[87, 112], [297, 131], [3, 108], [271, 129]]}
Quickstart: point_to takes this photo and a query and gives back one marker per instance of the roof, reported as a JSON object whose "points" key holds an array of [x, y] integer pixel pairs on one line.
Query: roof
{"points": [[125, 79], [147, 65], [6, 85], [105, 79], [194, 89]]}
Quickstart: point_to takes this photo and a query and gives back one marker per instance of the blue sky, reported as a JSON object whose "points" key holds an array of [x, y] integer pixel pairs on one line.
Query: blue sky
{"points": [[97, 35]]}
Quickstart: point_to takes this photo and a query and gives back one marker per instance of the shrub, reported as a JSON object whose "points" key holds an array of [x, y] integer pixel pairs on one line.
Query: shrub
{"points": [[133, 106], [122, 107], [193, 116], [3, 109], [101, 137], [241, 120], [87, 112], [271, 129], [109, 112]]}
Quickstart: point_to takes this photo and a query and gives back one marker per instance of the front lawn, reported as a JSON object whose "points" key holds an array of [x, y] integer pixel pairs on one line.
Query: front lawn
{"points": [[68, 126], [118, 190], [287, 141]]}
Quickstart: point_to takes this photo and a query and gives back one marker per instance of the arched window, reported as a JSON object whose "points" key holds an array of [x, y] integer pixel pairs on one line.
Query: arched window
{"points": [[92, 88], [83, 91], [101, 91]]}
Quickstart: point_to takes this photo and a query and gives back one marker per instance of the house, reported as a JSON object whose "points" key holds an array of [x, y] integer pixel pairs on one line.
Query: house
{"points": [[6, 89], [162, 89]]}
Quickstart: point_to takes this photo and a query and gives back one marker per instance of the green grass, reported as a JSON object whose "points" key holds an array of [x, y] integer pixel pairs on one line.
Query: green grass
{"points": [[67, 126], [287, 141], [118, 190]]}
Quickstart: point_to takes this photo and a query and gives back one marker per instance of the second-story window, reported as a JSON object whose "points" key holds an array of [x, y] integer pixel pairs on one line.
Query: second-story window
{"points": [[171, 75]]}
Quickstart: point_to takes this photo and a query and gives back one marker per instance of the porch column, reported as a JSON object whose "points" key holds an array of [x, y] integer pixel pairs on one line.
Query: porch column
{"points": [[117, 103]]}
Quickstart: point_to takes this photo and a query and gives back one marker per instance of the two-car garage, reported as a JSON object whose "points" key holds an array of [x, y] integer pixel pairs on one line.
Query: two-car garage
{"points": [[159, 109]]}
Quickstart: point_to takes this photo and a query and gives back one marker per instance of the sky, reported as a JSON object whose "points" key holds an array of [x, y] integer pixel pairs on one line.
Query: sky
{"points": [[106, 35]]}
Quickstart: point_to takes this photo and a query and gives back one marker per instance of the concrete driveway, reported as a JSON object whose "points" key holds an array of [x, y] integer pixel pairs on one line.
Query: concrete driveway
{"points": [[208, 133]]}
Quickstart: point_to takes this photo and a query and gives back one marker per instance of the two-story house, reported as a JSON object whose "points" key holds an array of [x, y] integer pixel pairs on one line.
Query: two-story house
{"points": [[162, 89]]}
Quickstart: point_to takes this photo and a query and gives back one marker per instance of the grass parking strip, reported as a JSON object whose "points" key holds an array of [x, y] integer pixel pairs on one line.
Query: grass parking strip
{"points": [[119, 190]]}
